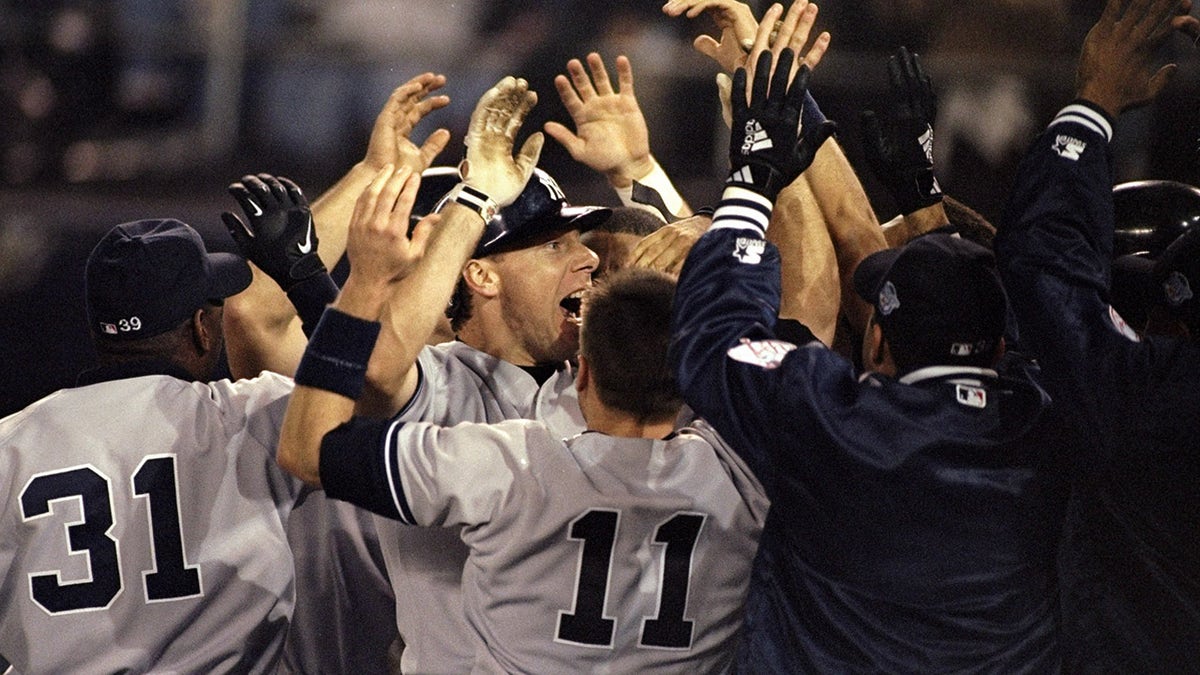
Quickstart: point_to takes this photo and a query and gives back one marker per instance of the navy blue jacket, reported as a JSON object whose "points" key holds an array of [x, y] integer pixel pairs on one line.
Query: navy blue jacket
{"points": [[909, 527], [1131, 552]]}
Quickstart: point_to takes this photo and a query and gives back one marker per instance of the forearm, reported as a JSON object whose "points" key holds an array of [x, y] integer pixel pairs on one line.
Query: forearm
{"points": [[809, 273], [262, 331], [333, 209], [413, 310], [656, 178], [852, 224], [922, 221]]}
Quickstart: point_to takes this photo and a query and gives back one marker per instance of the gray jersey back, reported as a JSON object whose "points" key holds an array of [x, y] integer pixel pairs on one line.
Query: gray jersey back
{"points": [[458, 384], [597, 554], [142, 526]]}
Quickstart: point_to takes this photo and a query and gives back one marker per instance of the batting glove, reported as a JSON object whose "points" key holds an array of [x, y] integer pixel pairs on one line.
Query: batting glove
{"points": [[279, 237], [900, 148], [767, 151]]}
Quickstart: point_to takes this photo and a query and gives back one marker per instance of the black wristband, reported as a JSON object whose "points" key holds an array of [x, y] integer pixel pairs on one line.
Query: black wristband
{"points": [[310, 298], [336, 357]]}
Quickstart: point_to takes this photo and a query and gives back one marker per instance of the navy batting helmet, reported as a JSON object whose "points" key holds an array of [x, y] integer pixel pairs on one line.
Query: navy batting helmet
{"points": [[1151, 214], [541, 208]]}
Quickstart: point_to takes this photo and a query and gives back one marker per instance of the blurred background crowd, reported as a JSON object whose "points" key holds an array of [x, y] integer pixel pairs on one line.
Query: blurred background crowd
{"points": [[113, 110]]}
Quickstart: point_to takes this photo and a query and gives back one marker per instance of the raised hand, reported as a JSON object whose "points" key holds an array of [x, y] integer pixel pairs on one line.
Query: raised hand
{"points": [[378, 244], [736, 21], [278, 234], [610, 131], [766, 150], [1119, 64], [490, 165], [407, 106], [899, 146]]}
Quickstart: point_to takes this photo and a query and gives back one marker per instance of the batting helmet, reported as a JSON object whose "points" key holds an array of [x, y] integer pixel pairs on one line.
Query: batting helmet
{"points": [[1151, 214], [541, 208]]}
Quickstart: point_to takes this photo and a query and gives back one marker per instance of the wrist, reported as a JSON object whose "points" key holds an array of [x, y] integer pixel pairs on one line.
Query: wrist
{"points": [[337, 355], [637, 169], [363, 298], [472, 198]]}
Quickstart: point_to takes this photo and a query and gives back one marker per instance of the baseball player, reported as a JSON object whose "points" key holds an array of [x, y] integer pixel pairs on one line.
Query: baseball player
{"points": [[613, 550], [515, 312], [908, 529], [142, 517], [1131, 559]]}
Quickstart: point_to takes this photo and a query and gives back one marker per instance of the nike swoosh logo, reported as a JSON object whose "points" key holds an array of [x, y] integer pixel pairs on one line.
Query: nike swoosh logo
{"points": [[306, 247], [257, 209]]}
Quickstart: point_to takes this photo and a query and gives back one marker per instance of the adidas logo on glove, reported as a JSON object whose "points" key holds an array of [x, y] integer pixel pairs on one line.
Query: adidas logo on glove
{"points": [[756, 138]]}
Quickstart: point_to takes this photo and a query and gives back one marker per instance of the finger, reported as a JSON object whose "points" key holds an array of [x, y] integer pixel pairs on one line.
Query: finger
{"points": [[527, 158], [815, 53], [651, 246], [706, 45], [738, 102], [763, 36], [241, 233], [1162, 78], [762, 74], [599, 75], [724, 89], [579, 77], [780, 80], [514, 122], [277, 191], [410, 183], [567, 94], [787, 27], [364, 208], [295, 195], [433, 146], [420, 234], [565, 137], [803, 29], [246, 193], [625, 75]]}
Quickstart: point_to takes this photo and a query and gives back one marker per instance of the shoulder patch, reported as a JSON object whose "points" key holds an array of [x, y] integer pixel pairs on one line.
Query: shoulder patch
{"points": [[1122, 327], [766, 354]]}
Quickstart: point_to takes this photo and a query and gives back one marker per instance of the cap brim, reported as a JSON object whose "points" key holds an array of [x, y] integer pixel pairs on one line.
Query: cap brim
{"points": [[230, 275], [581, 218], [870, 273]]}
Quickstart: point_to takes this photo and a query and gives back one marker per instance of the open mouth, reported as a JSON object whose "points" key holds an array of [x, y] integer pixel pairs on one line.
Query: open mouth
{"points": [[572, 304]]}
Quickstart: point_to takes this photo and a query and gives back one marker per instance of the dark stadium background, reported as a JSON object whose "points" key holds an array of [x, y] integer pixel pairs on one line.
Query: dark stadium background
{"points": [[113, 110]]}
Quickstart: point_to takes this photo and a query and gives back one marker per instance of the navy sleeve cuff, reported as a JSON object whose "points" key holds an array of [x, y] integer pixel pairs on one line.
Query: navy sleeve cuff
{"points": [[310, 298], [354, 467]]}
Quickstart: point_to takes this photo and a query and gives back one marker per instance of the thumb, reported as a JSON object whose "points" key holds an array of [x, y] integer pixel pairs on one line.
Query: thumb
{"points": [[706, 45], [531, 150], [725, 93], [565, 137], [1160, 80], [434, 145], [242, 236]]}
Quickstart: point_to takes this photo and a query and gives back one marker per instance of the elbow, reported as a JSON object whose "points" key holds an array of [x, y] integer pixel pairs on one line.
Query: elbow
{"points": [[299, 460]]}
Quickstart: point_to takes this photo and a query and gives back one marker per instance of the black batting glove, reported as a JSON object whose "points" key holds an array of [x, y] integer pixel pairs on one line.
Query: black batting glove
{"points": [[280, 238], [899, 147], [766, 150]]}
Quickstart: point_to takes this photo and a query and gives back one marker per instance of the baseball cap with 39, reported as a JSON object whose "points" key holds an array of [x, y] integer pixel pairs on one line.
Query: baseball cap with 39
{"points": [[938, 299], [146, 277]]}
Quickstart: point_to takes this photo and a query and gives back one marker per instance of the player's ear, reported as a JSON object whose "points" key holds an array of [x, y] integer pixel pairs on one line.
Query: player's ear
{"points": [[206, 323], [482, 277], [583, 374]]}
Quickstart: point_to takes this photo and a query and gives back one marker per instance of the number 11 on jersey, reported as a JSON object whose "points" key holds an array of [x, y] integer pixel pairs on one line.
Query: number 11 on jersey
{"points": [[587, 625]]}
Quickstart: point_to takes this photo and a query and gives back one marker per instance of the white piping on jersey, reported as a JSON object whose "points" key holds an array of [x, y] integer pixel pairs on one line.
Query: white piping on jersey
{"points": [[389, 451], [931, 372], [1081, 114]]}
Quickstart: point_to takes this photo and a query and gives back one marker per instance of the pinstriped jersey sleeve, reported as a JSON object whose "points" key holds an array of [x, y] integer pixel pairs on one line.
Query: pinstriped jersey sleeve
{"points": [[423, 474]]}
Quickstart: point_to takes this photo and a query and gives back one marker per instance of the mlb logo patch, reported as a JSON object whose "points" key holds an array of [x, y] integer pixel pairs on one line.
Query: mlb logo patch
{"points": [[972, 397], [766, 354], [749, 250], [109, 328]]}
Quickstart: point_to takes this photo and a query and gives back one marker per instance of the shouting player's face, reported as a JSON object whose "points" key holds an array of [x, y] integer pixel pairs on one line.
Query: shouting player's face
{"points": [[540, 292]]}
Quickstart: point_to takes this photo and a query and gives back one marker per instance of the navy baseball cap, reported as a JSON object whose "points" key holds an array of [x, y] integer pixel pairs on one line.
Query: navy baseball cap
{"points": [[540, 209], [146, 277], [938, 299]]}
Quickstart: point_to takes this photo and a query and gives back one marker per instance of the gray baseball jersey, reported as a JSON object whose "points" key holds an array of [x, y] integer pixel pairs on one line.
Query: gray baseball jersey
{"points": [[595, 554], [142, 527], [458, 384]]}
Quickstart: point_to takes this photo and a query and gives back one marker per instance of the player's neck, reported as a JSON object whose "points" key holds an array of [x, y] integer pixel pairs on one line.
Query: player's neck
{"points": [[605, 420]]}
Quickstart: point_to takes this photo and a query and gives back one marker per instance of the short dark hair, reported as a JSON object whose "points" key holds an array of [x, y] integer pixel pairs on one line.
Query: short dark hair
{"points": [[625, 335], [165, 345], [459, 309], [630, 220]]}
